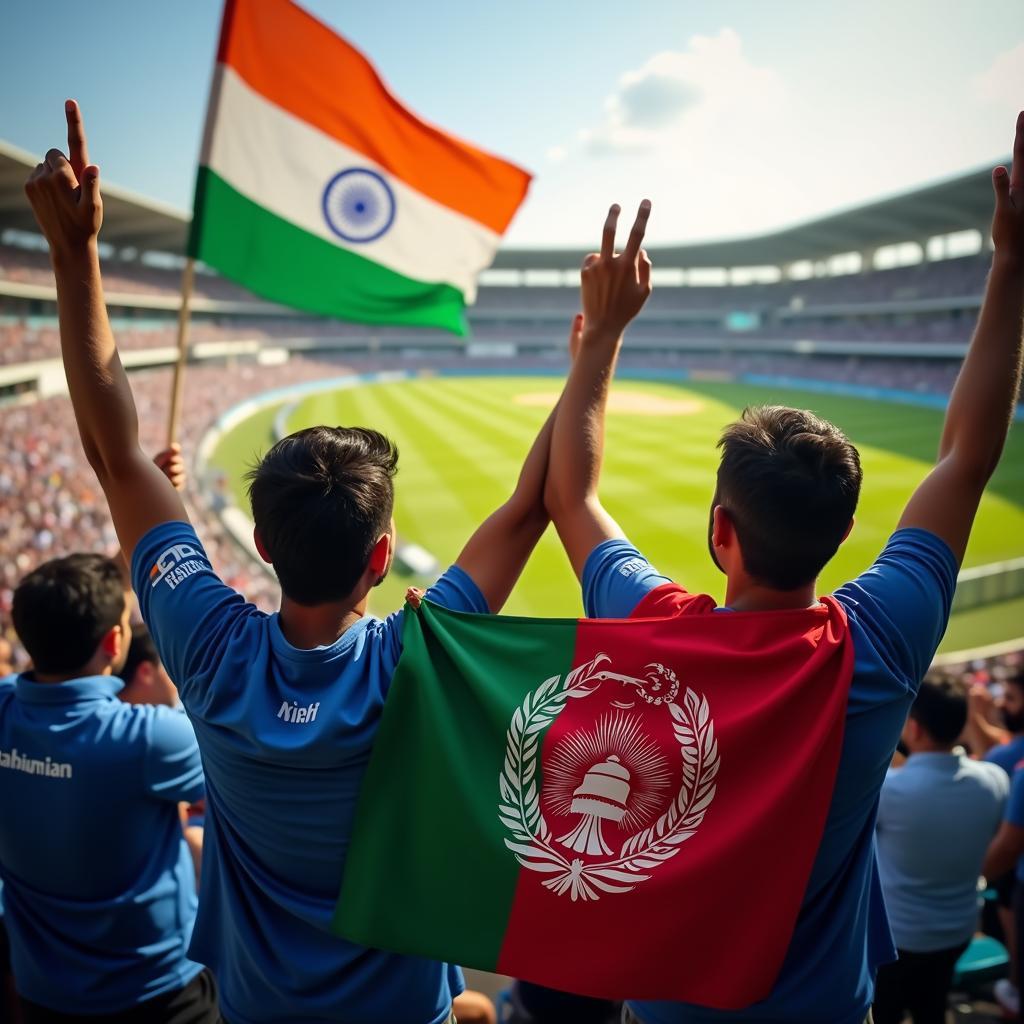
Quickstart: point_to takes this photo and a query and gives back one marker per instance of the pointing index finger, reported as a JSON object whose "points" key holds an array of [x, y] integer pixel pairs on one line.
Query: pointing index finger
{"points": [[77, 149], [636, 235], [608, 235]]}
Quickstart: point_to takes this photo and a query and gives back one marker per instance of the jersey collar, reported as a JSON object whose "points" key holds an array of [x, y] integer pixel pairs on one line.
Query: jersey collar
{"points": [[74, 691]]}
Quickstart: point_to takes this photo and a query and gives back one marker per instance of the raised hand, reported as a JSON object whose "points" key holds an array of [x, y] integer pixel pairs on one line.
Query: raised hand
{"points": [[1008, 220], [615, 287], [65, 193], [172, 465]]}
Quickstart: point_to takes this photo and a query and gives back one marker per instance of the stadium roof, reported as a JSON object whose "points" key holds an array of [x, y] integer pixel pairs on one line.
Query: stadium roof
{"points": [[129, 220], [956, 204]]}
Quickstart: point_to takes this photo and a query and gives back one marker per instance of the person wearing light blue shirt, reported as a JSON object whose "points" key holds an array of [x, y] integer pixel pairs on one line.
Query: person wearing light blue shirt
{"points": [[936, 817]]}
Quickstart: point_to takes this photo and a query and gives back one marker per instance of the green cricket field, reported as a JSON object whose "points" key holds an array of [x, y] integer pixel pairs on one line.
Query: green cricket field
{"points": [[462, 440]]}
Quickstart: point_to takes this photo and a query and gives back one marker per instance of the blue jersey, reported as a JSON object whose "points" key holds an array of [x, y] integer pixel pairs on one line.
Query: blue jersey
{"points": [[897, 611], [1015, 811], [286, 735], [1007, 755], [99, 886]]}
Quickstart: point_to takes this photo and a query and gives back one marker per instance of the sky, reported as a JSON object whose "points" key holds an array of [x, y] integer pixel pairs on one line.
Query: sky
{"points": [[733, 116]]}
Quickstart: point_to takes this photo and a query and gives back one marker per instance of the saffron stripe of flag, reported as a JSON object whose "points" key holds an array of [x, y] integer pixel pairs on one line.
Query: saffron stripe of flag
{"points": [[318, 189], [576, 803]]}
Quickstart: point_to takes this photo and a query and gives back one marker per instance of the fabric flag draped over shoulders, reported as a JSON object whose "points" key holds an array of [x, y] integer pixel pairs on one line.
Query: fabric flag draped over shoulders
{"points": [[318, 189], [621, 809]]}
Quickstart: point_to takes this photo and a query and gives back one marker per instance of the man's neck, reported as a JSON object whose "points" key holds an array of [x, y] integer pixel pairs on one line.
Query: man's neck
{"points": [[926, 746], [309, 626], [97, 667], [742, 595]]}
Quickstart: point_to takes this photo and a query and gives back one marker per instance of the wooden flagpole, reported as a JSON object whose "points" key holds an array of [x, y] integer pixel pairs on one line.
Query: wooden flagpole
{"points": [[178, 385]]}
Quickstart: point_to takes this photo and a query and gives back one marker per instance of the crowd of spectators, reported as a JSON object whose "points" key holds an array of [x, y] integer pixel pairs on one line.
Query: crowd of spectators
{"points": [[871, 307]]}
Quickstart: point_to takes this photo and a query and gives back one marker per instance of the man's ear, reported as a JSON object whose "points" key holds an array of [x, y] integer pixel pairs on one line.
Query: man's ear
{"points": [[380, 557], [722, 531], [112, 643], [260, 546], [911, 731], [849, 528], [144, 672]]}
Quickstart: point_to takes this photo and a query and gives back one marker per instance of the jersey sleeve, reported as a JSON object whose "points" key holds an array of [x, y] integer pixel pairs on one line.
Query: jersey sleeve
{"points": [[457, 591], [173, 770], [454, 589], [616, 578], [902, 602], [189, 610]]}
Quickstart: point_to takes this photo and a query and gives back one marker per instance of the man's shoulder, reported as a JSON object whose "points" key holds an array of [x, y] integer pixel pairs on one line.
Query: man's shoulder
{"points": [[988, 774]]}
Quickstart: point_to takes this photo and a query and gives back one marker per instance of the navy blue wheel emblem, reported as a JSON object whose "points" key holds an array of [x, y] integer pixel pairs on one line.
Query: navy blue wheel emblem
{"points": [[359, 205]]}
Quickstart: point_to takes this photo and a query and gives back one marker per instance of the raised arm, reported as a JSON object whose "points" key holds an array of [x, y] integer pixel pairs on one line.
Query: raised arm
{"points": [[498, 551], [984, 397], [65, 198], [614, 289]]}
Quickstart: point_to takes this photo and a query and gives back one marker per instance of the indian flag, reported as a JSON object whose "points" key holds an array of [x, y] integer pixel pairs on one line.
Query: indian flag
{"points": [[579, 803], [318, 189]]}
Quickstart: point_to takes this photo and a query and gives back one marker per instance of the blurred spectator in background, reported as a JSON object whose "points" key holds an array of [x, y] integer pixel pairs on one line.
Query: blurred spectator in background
{"points": [[1005, 854], [1010, 704], [146, 682], [145, 679], [6, 658], [995, 731], [936, 817]]}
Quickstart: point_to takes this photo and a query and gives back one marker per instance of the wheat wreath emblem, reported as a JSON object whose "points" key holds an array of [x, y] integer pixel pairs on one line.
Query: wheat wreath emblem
{"points": [[530, 839]]}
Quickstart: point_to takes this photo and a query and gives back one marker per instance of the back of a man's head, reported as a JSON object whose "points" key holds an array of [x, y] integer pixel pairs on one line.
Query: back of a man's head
{"points": [[321, 499], [145, 679], [789, 481], [940, 708], [63, 609]]}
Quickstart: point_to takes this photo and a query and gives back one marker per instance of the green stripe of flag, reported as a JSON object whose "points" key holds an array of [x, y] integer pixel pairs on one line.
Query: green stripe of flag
{"points": [[285, 264], [451, 797]]}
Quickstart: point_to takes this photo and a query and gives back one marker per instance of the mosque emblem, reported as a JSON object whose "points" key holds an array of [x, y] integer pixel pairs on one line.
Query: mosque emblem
{"points": [[610, 792]]}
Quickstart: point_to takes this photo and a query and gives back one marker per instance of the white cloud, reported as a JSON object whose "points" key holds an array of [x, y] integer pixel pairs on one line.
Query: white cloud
{"points": [[1002, 82], [677, 93], [724, 145], [556, 154]]}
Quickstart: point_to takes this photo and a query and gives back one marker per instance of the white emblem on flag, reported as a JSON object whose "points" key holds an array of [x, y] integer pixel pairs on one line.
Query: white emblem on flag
{"points": [[611, 777], [359, 205]]}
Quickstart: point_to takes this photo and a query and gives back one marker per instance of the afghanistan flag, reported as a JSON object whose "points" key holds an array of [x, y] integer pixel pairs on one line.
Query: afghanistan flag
{"points": [[621, 809], [318, 189]]}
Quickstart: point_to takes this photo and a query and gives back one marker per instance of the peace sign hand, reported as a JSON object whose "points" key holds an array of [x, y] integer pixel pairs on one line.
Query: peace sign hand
{"points": [[614, 288]]}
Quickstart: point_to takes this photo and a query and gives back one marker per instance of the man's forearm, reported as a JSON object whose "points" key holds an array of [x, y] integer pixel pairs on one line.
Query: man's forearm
{"points": [[97, 382], [985, 394], [577, 444], [501, 546], [528, 496]]}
